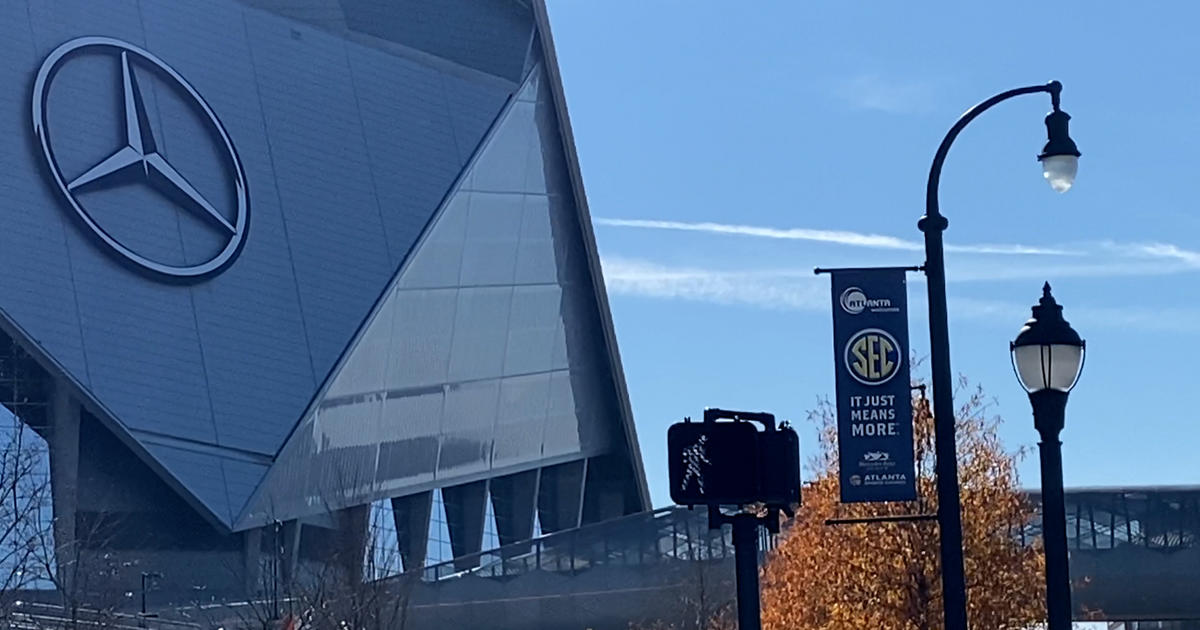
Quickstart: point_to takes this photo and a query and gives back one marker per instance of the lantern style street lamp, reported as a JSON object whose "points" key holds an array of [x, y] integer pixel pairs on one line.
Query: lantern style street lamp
{"points": [[1060, 161], [1047, 356]]}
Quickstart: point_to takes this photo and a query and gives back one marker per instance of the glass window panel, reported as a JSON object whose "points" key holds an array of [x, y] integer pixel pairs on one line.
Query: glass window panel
{"points": [[535, 253], [531, 329], [365, 368], [423, 327], [491, 536], [468, 424], [408, 416], [529, 92], [561, 435], [501, 164], [524, 405], [350, 422], [558, 353], [545, 169], [343, 471], [584, 342], [493, 229], [28, 509], [383, 548], [437, 259], [596, 414], [480, 333], [541, 155], [471, 406], [438, 549], [409, 436], [569, 257]]}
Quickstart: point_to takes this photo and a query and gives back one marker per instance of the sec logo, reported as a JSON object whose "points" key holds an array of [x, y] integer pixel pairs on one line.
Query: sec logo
{"points": [[873, 356]]}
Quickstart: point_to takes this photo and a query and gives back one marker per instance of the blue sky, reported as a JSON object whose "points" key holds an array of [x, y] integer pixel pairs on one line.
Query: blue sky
{"points": [[726, 153]]}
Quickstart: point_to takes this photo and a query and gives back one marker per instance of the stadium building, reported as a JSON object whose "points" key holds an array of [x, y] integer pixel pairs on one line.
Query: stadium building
{"points": [[298, 275]]}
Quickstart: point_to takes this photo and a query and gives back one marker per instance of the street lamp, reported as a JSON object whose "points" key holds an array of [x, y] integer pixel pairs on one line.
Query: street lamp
{"points": [[1060, 159], [1047, 357]]}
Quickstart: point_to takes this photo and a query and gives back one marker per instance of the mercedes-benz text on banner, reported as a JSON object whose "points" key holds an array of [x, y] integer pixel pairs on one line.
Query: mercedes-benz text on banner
{"points": [[874, 403]]}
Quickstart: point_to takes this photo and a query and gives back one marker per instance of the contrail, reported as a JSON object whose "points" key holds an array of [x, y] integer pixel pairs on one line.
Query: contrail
{"points": [[856, 239]]}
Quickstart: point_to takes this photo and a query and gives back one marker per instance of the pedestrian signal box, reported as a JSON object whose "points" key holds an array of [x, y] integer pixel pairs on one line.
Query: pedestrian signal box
{"points": [[734, 462]]}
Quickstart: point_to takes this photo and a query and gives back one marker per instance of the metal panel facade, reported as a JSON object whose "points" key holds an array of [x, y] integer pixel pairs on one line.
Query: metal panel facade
{"points": [[348, 150]]}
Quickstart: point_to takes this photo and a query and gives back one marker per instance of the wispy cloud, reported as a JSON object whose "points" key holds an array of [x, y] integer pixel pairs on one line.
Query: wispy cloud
{"points": [[1173, 319], [1157, 251], [801, 291], [839, 237], [887, 94], [762, 289], [1119, 268]]}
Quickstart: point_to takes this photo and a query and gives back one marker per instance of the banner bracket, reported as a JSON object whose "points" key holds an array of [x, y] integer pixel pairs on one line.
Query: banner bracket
{"points": [[820, 270]]}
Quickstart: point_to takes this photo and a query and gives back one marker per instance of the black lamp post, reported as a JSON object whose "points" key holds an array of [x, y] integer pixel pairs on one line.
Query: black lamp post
{"points": [[1060, 159], [1047, 357]]}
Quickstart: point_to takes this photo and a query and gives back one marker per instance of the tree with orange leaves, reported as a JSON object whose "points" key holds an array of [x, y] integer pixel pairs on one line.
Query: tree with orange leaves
{"points": [[886, 575]]}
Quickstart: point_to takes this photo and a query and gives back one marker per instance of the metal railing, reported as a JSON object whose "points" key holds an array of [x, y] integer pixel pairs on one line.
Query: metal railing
{"points": [[1165, 518], [653, 537]]}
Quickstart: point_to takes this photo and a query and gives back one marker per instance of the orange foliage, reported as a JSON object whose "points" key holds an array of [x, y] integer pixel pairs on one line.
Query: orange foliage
{"points": [[885, 575]]}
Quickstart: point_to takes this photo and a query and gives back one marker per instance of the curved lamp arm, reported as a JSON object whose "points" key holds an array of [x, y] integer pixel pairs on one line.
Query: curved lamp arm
{"points": [[949, 513], [933, 217]]}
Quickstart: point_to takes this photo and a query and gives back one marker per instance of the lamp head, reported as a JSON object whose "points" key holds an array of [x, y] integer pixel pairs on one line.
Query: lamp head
{"points": [[1060, 156], [1047, 353]]}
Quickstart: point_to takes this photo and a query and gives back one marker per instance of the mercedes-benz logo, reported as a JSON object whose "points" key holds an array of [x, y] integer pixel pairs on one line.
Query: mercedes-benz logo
{"points": [[140, 159]]}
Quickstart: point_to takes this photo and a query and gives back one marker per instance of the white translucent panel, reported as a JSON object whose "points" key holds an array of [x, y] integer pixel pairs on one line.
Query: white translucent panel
{"points": [[471, 406], [535, 252], [436, 261], [531, 329], [365, 368], [524, 406], [410, 416], [502, 161], [423, 327], [1060, 171], [343, 451], [561, 434], [348, 423], [1048, 367], [480, 332], [409, 435], [468, 424], [490, 249]]}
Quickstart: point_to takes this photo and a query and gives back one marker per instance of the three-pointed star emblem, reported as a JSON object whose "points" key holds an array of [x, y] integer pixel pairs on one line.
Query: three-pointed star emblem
{"points": [[140, 160], [141, 154]]}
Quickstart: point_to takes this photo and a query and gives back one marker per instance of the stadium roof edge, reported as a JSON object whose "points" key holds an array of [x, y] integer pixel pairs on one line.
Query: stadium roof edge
{"points": [[542, 23]]}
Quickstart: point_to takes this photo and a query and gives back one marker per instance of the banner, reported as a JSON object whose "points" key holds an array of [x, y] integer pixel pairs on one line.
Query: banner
{"points": [[874, 403]]}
